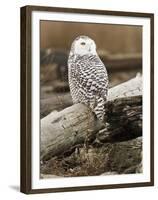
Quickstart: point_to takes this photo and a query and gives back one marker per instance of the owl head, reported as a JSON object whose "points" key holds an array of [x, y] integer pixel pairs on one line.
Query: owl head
{"points": [[83, 45]]}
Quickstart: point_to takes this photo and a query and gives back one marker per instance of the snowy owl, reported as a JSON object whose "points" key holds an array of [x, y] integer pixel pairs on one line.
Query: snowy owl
{"points": [[88, 78]]}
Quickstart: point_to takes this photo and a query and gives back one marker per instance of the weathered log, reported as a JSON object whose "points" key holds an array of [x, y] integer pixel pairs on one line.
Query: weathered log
{"points": [[124, 117], [61, 131]]}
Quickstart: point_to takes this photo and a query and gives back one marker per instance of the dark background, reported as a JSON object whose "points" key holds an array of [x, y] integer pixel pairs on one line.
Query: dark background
{"points": [[111, 38]]}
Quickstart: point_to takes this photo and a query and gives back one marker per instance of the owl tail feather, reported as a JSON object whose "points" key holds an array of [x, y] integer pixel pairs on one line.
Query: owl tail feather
{"points": [[99, 110]]}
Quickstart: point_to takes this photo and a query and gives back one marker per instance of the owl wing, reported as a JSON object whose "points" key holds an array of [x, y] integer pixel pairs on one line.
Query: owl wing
{"points": [[91, 76]]}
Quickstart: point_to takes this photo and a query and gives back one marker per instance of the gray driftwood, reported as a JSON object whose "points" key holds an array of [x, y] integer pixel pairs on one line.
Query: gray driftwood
{"points": [[61, 131]]}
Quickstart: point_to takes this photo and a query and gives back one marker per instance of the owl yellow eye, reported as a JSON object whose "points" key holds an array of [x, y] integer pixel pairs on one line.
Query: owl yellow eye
{"points": [[83, 43]]}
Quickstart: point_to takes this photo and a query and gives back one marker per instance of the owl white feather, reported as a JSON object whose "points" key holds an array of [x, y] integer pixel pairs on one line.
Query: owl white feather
{"points": [[88, 78]]}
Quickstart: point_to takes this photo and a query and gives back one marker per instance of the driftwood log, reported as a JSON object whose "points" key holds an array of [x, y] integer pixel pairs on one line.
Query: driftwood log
{"points": [[62, 131]]}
